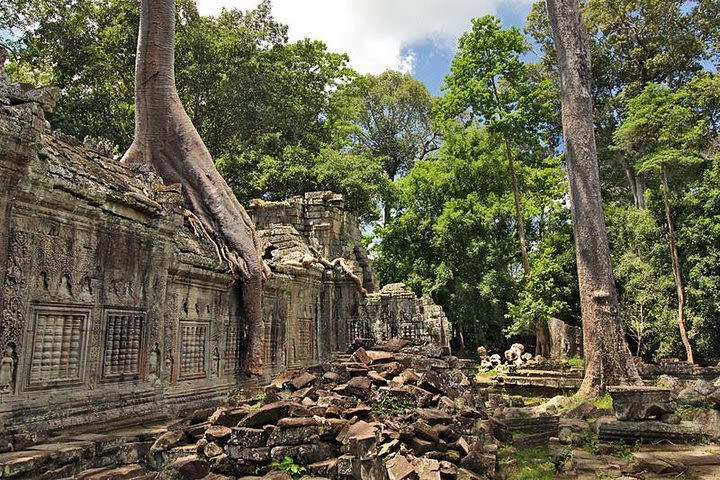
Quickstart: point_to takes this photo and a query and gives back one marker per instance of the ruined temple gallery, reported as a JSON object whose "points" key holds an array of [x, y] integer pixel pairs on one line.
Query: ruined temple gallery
{"points": [[115, 307]]}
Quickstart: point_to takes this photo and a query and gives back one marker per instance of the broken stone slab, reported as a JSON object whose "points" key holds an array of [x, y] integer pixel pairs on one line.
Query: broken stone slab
{"points": [[293, 435], [191, 467], [218, 433], [427, 468], [649, 431], [359, 439], [304, 454], [434, 416], [326, 468], [257, 455], [62, 453], [399, 468], [378, 357], [213, 449], [640, 402], [23, 462], [113, 473], [228, 417], [169, 440], [709, 423], [248, 437], [358, 386], [267, 414], [303, 380]]}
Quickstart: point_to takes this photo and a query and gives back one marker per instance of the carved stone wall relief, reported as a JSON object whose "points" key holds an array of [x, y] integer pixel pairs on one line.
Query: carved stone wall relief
{"points": [[59, 340], [124, 336], [12, 320], [193, 349]]}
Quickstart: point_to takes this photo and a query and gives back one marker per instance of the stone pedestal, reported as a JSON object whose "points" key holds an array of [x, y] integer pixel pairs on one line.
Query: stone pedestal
{"points": [[641, 403]]}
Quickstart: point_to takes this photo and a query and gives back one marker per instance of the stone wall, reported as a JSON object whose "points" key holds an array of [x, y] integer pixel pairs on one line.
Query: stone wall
{"points": [[110, 307], [395, 312], [113, 309]]}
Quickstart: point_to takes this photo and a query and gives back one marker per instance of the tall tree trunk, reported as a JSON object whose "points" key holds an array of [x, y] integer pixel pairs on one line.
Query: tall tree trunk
{"points": [[518, 207], [675, 256], [636, 182], [608, 360], [166, 139]]}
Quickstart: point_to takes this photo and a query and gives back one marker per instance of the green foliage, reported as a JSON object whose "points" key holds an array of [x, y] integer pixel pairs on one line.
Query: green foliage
{"points": [[644, 280], [391, 405], [454, 235], [88, 50], [489, 79], [660, 131], [699, 239], [550, 290], [576, 362], [287, 465], [625, 453], [387, 116], [532, 463], [603, 403]]}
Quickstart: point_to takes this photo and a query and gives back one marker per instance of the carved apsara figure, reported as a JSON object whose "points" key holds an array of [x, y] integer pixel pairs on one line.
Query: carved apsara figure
{"points": [[154, 360], [215, 361], [169, 364], [7, 369]]}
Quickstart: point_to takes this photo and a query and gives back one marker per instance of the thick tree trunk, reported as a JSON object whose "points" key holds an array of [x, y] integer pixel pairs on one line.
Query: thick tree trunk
{"points": [[675, 256], [166, 138], [608, 360], [518, 207]]}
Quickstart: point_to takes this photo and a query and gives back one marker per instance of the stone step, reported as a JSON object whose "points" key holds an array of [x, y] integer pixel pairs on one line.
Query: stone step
{"points": [[126, 472], [649, 431]]}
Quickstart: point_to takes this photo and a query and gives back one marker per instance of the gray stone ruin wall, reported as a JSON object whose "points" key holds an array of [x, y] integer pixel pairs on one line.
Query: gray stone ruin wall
{"points": [[307, 305], [565, 340], [114, 309], [110, 307], [395, 312]]}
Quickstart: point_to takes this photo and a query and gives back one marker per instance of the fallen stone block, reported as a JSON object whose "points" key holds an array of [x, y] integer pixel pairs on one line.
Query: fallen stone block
{"points": [[649, 431]]}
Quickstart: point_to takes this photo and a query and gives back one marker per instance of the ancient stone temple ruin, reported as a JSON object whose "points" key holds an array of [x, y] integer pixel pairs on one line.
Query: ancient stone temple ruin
{"points": [[113, 306]]}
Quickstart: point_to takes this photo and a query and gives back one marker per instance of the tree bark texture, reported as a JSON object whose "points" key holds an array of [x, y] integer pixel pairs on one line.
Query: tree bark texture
{"points": [[166, 139], [608, 360], [677, 275]]}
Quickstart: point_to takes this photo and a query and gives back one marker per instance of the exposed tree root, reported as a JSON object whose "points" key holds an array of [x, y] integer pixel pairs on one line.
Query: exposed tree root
{"points": [[166, 139], [339, 263]]}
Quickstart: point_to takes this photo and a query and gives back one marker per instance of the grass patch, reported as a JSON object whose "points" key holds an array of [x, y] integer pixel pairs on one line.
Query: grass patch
{"points": [[531, 463], [576, 362], [625, 453], [604, 402]]}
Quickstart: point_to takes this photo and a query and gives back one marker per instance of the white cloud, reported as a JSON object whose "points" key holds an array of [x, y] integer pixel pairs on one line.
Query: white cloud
{"points": [[374, 32]]}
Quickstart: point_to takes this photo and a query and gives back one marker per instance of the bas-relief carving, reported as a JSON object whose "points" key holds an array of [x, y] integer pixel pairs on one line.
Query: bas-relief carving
{"points": [[123, 344], [12, 322], [8, 367], [58, 340]]}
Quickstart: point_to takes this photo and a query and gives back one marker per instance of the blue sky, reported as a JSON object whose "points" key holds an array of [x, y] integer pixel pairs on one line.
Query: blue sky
{"points": [[432, 63], [414, 36]]}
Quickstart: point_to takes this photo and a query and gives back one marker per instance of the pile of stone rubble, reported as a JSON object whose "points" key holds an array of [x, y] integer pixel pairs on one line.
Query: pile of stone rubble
{"points": [[400, 412]]}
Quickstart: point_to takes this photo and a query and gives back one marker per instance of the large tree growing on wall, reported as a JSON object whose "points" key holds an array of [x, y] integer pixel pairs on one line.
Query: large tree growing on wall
{"points": [[607, 357], [166, 139]]}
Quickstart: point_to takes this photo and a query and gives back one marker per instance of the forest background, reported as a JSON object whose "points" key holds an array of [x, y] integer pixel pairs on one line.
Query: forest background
{"points": [[463, 195]]}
